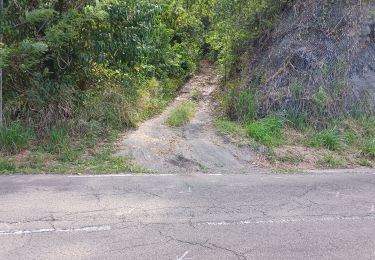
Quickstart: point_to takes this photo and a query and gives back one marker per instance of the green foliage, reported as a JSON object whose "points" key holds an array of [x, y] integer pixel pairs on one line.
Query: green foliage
{"points": [[368, 148], [236, 23], [196, 94], [57, 139], [182, 114], [7, 166], [267, 131], [111, 63], [320, 100], [328, 138], [226, 127], [246, 106], [14, 138], [297, 119]]}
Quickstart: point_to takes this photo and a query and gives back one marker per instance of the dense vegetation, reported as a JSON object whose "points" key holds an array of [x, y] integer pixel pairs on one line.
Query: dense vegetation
{"points": [[81, 68], [76, 71]]}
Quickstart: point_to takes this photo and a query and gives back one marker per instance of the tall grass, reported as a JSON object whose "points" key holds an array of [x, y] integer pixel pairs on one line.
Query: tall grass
{"points": [[368, 148], [328, 138], [246, 106], [14, 138], [267, 131]]}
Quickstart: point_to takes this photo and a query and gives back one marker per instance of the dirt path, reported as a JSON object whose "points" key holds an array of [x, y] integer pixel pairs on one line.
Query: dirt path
{"points": [[194, 147]]}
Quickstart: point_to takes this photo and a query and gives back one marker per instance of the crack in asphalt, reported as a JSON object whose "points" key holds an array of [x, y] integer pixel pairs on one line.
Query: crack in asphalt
{"points": [[206, 245], [240, 256]]}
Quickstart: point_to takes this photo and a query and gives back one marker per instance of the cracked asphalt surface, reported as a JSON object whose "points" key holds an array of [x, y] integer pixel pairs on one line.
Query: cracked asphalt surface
{"points": [[257, 216]]}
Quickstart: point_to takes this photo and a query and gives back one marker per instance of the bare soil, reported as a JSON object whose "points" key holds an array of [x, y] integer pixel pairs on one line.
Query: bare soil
{"points": [[195, 147]]}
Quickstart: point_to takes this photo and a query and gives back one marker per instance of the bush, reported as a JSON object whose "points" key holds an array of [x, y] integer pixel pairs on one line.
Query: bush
{"points": [[182, 114], [14, 138], [267, 131], [60, 68], [329, 138]]}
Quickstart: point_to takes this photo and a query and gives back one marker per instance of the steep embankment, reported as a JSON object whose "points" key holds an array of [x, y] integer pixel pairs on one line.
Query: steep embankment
{"points": [[318, 62]]}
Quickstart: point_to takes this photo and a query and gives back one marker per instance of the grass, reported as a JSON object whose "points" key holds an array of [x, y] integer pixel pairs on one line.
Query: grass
{"points": [[246, 106], [182, 114], [60, 155], [196, 94], [14, 138], [7, 166], [101, 162], [267, 131], [287, 171], [226, 127], [294, 159], [365, 163], [329, 138], [329, 161], [368, 149]]}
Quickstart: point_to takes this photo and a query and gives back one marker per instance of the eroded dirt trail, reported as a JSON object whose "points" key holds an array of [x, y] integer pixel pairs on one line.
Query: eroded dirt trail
{"points": [[194, 147]]}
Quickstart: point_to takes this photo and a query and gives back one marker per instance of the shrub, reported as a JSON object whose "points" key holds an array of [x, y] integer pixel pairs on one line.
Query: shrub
{"points": [[182, 114], [328, 138], [14, 138], [267, 131]]}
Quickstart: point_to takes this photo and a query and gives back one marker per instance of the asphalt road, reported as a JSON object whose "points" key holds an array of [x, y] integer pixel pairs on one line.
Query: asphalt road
{"points": [[259, 216]]}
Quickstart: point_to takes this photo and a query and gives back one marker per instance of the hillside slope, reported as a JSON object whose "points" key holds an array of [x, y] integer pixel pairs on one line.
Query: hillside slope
{"points": [[318, 62]]}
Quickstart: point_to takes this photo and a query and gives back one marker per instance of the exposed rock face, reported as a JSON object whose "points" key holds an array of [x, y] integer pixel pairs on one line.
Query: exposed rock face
{"points": [[319, 60]]}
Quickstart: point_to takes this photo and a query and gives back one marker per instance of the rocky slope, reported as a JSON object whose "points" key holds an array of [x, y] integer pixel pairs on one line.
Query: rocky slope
{"points": [[318, 62]]}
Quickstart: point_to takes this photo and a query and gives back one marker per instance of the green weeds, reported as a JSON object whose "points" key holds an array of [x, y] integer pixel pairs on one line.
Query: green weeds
{"points": [[267, 131], [246, 107], [7, 166], [182, 114], [329, 161], [196, 94], [294, 159], [14, 138], [329, 138], [368, 149], [230, 128]]}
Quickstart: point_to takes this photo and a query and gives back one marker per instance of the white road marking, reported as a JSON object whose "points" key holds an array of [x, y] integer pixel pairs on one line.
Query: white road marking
{"points": [[288, 220], [131, 210], [120, 175], [189, 191], [52, 230], [130, 175], [337, 194], [183, 256], [372, 208]]}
